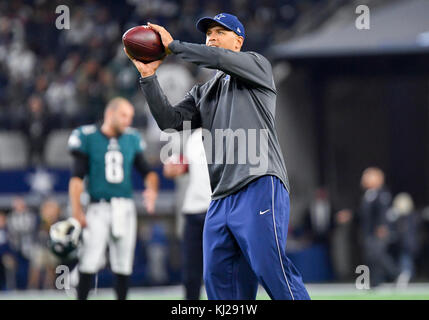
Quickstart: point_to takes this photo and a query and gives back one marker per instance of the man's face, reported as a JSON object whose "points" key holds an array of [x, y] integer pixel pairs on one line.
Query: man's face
{"points": [[19, 205], [372, 179], [122, 117], [218, 36]]}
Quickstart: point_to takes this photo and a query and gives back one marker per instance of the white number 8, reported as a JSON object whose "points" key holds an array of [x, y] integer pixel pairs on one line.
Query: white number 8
{"points": [[114, 167]]}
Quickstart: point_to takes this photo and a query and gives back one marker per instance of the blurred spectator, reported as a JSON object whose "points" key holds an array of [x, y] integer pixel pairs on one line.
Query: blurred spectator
{"points": [[43, 261], [90, 90], [7, 261], [106, 30], [125, 76], [61, 100], [21, 63], [157, 255], [341, 245], [374, 225], [4, 247], [406, 222], [318, 218], [81, 29], [36, 128], [196, 202], [176, 80], [47, 67], [21, 226], [69, 65]]}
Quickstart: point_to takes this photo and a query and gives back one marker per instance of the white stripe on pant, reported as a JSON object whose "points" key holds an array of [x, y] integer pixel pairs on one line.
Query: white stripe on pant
{"points": [[277, 241]]}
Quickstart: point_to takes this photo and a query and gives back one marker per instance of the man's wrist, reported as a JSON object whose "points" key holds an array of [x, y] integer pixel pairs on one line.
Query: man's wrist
{"points": [[171, 46], [77, 212], [146, 75], [167, 49], [147, 78]]}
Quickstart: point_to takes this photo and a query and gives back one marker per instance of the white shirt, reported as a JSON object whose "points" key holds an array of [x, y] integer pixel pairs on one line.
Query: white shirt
{"points": [[198, 193]]}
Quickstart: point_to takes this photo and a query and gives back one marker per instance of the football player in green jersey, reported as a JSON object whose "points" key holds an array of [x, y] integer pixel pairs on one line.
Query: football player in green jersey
{"points": [[103, 160]]}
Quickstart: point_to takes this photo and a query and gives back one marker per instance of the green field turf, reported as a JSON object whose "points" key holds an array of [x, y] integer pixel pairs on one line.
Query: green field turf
{"points": [[373, 296], [317, 292]]}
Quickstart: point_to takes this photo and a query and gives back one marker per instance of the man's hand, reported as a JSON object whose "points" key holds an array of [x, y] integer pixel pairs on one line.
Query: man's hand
{"points": [[145, 69], [343, 216], [382, 232], [80, 216], [175, 166], [149, 199], [166, 37]]}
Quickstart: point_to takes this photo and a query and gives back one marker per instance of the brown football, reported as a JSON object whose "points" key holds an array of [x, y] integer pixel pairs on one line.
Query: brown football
{"points": [[143, 43]]}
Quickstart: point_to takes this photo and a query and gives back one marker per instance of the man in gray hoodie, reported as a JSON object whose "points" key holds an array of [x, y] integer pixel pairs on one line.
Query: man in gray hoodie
{"points": [[245, 231]]}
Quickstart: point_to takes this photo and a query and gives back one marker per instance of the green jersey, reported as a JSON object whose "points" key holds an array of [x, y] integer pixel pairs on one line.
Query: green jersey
{"points": [[110, 160]]}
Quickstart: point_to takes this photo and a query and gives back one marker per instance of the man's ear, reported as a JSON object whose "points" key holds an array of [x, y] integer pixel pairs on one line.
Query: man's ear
{"points": [[240, 41]]}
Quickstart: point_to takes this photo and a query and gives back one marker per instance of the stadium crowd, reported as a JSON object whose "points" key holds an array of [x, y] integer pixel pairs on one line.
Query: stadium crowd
{"points": [[63, 77]]}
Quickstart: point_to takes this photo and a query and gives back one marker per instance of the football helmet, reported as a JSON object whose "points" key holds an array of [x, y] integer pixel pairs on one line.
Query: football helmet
{"points": [[64, 238]]}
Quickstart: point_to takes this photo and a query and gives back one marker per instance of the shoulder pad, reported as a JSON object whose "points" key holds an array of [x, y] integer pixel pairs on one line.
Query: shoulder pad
{"points": [[74, 141], [88, 129]]}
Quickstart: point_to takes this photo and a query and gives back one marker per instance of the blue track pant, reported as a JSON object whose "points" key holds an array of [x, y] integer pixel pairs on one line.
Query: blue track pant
{"points": [[244, 243]]}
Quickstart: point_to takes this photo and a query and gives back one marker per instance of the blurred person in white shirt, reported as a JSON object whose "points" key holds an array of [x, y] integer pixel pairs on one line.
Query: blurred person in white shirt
{"points": [[196, 202]]}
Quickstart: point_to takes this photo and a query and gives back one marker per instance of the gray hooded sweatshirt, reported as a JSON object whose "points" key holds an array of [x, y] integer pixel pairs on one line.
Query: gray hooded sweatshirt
{"points": [[237, 110]]}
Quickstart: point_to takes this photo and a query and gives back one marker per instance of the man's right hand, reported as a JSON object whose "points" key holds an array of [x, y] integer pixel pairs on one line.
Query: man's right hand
{"points": [[382, 232], [145, 69], [175, 166], [80, 216]]}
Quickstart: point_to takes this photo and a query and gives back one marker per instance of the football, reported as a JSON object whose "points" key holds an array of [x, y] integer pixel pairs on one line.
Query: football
{"points": [[143, 43]]}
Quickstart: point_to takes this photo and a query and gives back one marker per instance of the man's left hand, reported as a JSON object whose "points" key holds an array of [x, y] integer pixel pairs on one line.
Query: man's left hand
{"points": [[149, 200], [166, 37]]}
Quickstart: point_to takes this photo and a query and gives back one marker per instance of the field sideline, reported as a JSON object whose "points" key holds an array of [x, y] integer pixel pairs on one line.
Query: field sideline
{"points": [[417, 291]]}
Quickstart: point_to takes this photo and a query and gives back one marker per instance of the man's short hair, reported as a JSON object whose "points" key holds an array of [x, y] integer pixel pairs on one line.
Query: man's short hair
{"points": [[114, 103]]}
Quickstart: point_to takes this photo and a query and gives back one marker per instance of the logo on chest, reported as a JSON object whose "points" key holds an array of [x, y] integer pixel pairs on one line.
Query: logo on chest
{"points": [[113, 145]]}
